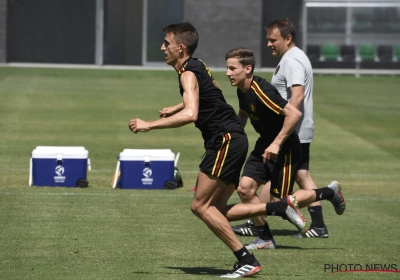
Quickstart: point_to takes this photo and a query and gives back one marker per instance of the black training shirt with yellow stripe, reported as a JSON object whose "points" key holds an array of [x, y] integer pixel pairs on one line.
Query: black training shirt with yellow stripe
{"points": [[263, 104], [215, 116]]}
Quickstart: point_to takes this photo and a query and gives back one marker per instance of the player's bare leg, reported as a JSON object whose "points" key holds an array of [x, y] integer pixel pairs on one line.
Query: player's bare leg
{"points": [[204, 206], [247, 191], [210, 193], [332, 192], [306, 182]]}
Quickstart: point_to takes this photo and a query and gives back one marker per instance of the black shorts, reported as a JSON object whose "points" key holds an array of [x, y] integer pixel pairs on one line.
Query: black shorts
{"points": [[225, 156], [305, 156], [281, 172]]}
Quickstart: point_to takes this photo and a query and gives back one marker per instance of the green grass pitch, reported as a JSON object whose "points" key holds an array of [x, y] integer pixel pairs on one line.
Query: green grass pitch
{"points": [[104, 233]]}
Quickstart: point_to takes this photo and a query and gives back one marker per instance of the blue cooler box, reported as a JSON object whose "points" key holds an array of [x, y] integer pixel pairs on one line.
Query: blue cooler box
{"points": [[59, 166], [145, 169]]}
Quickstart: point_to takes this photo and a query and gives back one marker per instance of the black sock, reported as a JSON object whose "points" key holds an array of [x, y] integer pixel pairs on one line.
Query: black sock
{"points": [[277, 208], [264, 232], [317, 220], [324, 193], [243, 254]]}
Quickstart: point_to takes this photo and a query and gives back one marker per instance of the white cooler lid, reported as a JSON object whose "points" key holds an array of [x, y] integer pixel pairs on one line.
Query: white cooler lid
{"points": [[147, 155], [77, 152]]}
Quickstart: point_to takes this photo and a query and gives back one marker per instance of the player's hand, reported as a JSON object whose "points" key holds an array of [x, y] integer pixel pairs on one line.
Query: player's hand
{"points": [[271, 152], [166, 112], [138, 125]]}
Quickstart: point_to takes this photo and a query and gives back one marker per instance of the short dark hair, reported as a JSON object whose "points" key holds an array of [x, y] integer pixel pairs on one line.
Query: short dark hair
{"points": [[284, 26], [185, 33], [245, 56]]}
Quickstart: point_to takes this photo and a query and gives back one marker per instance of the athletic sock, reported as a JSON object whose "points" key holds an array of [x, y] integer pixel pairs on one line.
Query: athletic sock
{"points": [[264, 232], [324, 193], [243, 254], [277, 208], [317, 219]]}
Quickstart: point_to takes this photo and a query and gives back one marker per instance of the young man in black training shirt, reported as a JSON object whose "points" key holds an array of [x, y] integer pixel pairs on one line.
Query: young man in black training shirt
{"points": [[277, 152], [225, 142]]}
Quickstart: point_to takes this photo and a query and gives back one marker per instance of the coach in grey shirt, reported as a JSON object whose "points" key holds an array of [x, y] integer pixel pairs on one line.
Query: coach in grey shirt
{"points": [[293, 78]]}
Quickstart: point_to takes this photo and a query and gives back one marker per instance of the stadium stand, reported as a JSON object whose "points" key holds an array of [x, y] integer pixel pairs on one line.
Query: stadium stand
{"points": [[377, 57], [385, 53], [330, 52], [348, 56], [397, 53], [313, 52], [348, 52], [366, 56], [366, 52], [385, 57], [329, 58], [396, 57]]}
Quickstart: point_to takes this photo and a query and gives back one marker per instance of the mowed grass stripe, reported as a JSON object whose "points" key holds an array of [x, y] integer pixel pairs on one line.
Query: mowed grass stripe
{"points": [[350, 157], [367, 106]]}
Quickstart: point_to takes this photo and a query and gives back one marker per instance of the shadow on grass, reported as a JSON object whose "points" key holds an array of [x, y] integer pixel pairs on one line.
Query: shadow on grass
{"points": [[280, 247], [284, 232], [200, 270]]}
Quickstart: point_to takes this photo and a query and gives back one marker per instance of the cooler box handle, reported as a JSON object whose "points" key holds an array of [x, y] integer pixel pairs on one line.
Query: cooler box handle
{"points": [[116, 176], [176, 159], [30, 173], [59, 158], [147, 159]]}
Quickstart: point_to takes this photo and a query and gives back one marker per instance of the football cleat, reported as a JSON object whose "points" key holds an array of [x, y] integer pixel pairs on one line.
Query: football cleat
{"points": [[244, 269], [337, 200], [259, 243], [314, 232], [246, 229], [294, 215]]}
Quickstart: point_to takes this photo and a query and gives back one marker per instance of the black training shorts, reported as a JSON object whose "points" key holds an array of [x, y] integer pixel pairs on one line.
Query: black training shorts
{"points": [[305, 156], [281, 172], [225, 156]]}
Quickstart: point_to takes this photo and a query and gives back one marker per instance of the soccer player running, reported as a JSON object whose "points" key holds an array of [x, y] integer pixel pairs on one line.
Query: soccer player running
{"points": [[277, 152], [225, 143], [293, 78]]}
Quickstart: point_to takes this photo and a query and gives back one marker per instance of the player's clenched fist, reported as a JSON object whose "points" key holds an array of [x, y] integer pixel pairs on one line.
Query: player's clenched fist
{"points": [[138, 125], [271, 152]]}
